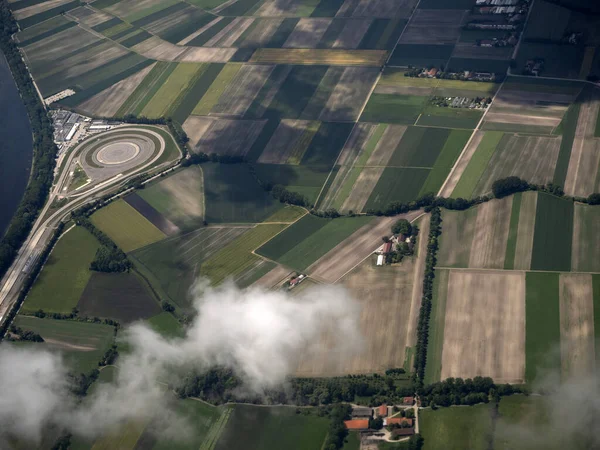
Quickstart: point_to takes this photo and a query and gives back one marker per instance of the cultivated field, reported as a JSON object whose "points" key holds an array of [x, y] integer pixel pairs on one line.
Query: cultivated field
{"points": [[334, 57], [125, 226], [65, 275], [585, 255], [82, 343], [493, 345]]}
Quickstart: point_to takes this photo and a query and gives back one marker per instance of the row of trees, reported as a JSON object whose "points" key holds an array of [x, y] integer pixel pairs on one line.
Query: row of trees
{"points": [[18, 334], [109, 258], [435, 229], [44, 149], [456, 391]]}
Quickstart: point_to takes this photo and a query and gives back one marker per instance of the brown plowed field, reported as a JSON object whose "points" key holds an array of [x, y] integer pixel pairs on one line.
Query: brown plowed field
{"points": [[491, 234], [432, 26], [576, 325], [484, 329]]}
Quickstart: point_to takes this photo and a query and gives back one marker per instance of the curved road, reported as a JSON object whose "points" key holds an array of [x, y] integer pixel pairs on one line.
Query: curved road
{"points": [[43, 229]]}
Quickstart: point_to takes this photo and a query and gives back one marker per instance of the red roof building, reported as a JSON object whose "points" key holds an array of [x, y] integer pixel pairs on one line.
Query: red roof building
{"points": [[387, 247], [357, 424], [398, 421], [382, 410], [408, 400], [403, 432]]}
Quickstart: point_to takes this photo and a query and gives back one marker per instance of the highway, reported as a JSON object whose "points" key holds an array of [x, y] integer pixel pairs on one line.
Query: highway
{"points": [[47, 221]]}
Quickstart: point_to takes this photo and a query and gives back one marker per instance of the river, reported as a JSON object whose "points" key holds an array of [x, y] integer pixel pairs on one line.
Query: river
{"points": [[16, 146]]}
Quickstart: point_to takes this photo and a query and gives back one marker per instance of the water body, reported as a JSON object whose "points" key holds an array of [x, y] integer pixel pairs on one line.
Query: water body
{"points": [[16, 146]]}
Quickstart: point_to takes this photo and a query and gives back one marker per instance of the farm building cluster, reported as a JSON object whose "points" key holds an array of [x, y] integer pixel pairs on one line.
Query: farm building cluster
{"points": [[461, 102], [385, 253], [384, 422]]}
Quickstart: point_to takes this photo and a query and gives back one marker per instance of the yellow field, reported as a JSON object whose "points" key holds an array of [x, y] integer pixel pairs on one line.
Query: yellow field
{"points": [[125, 226], [319, 56]]}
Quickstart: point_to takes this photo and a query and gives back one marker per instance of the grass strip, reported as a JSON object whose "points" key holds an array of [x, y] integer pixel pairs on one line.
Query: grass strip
{"points": [[511, 243], [567, 128]]}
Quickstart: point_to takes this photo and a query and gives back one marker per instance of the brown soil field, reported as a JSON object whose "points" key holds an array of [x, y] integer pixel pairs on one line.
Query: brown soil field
{"points": [[491, 234], [458, 228], [461, 165], [241, 92], [169, 21], [273, 278], [585, 154], [80, 64], [195, 127], [156, 48], [205, 54], [38, 8], [275, 8], [362, 189], [352, 34], [525, 231], [281, 145], [334, 57], [89, 16], [262, 33], [354, 249], [108, 102], [307, 33], [520, 119], [531, 158], [229, 38], [431, 26], [199, 31], [385, 297], [484, 328], [585, 250], [534, 98], [229, 137], [186, 192], [376, 8], [128, 7], [275, 83], [350, 94], [387, 145], [225, 32], [56, 46], [576, 325]]}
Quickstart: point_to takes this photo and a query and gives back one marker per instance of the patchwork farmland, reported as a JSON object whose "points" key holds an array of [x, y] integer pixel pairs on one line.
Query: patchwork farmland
{"points": [[311, 123]]}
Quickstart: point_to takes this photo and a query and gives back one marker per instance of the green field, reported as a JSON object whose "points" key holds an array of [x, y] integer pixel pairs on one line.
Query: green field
{"points": [[419, 147], [542, 319], [179, 197], [165, 101], [553, 236], [567, 128], [277, 427], [82, 344], [397, 185], [211, 97], [125, 226], [445, 161], [587, 239], [401, 109], [437, 320], [435, 116], [288, 214], [306, 180], [233, 195], [457, 428], [149, 86], [65, 274], [166, 324], [307, 240], [126, 437], [511, 244], [236, 259], [477, 165], [172, 265]]}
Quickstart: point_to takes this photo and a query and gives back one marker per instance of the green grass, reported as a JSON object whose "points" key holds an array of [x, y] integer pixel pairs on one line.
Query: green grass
{"points": [[419, 147], [125, 226], [213, 94], [352, 441], [477, 165], [450, 117], [65, 274], [82, 343], [233, 195], [236, 259], [307, 180], [567, 128], [158, 6], [166, 324], [288, 214], [277, 427], [445, 161], [397, 185], [175, 87], [516, 128], [435, 343], [596, 298], [553, 235], [125, 437], [511, 243], [400, 109], [310, 238], [542, 319], [457, 428]]}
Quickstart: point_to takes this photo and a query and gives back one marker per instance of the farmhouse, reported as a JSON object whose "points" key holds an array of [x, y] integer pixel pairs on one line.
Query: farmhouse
{"points": [[403, 432], [357, 424], [382, 411], [360, 412], [398, 421], [408, 401]]}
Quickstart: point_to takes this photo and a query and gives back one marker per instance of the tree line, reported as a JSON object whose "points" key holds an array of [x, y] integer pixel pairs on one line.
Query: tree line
{"points": [[44, 149]]}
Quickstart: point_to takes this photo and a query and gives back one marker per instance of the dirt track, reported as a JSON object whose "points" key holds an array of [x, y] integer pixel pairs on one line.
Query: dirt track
{"points": [[350, 252], [484, 331]]}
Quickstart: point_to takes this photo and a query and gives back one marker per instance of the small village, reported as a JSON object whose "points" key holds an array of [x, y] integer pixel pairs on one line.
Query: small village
{"points": [[385, 422]]}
